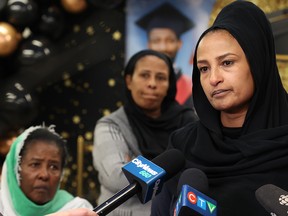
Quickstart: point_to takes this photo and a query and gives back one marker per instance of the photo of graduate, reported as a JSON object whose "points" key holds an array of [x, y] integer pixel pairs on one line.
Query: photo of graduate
{"points": [[168, 28]]}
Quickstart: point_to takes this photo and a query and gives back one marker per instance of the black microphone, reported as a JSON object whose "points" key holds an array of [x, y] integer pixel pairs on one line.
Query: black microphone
{"points": [[273, 199], [195, 178], [146, 178], [192, 201]]}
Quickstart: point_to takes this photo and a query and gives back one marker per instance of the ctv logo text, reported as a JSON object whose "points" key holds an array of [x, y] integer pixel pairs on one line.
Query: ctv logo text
{"points": [[200, 202]]}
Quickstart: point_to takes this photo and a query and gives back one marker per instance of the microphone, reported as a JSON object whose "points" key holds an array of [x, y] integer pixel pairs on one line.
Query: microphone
{"points": [[191, 201], [273, 199], [145, 177]]}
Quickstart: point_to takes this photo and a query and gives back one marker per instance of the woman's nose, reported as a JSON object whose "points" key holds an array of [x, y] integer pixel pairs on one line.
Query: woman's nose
{"points": [[43, 173], [215, 76], [152, 83]]}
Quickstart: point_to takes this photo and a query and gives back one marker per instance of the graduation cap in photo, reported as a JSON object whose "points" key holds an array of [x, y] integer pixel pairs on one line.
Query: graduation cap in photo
{"points": [[165, 16], [279, 24]]}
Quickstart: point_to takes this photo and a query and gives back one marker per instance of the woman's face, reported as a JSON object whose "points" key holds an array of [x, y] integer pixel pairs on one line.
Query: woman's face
{"points": [[225, 74], [40, 171], [149, 84]]}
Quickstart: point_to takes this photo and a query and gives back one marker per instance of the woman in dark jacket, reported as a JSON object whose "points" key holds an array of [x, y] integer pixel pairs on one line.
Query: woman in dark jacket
{"points": [[241, 140]]}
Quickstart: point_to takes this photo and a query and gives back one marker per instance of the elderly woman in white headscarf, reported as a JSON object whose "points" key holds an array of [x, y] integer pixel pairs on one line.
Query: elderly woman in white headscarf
{"points": [[31, 175]]}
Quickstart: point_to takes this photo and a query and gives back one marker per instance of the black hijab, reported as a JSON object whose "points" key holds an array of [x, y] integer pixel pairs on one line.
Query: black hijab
{"points": [[152, 134], [258, 155]]}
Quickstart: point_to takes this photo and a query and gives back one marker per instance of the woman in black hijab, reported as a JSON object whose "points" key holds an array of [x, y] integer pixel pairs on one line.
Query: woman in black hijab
{"points": [[152, 133], [141, 127], [241, 140]]}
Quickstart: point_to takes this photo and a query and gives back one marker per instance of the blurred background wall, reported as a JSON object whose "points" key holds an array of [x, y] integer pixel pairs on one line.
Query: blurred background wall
{"points": [[61, 63]]}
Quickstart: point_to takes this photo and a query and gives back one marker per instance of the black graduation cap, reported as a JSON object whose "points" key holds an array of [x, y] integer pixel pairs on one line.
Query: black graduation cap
{"points": [[165, 16], [279, 24]]}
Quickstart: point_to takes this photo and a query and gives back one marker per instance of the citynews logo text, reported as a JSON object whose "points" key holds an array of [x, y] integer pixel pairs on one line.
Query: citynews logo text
{"points": [[147, 172]]}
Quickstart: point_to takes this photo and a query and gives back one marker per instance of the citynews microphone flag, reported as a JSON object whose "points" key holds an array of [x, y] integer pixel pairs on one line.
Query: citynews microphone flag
{"points": [[147, 174], [194, 199]]}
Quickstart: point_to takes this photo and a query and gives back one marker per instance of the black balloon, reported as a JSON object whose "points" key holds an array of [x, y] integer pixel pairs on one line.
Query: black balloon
{"points": [[51, 22], [18, 107], [21, 13], [106, 4], [42, 4], [7, 67], [34, 49], [3, 4]]}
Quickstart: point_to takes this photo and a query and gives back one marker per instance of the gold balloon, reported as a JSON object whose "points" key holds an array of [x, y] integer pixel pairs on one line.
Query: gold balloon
{"points": [[74, 6], [9, 39]]}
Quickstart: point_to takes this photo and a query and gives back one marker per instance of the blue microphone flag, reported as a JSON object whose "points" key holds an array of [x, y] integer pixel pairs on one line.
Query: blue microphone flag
{"points": [[147, 174], [191, 198]]}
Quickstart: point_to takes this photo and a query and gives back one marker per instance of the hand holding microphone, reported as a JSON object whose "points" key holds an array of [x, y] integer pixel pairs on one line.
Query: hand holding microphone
{"points": [[146, 178]]}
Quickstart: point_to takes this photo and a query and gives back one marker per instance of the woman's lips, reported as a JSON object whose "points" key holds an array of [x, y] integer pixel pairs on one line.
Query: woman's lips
{"points": [[150, 96], [219, 93], [41, 188]]}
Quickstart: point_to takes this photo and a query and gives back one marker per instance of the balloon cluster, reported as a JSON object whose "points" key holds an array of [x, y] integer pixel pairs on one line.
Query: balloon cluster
{"points": [[28, 31], [20, 18]]}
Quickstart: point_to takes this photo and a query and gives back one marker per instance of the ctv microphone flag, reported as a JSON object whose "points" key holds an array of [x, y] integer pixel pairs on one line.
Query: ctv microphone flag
{"points": [[191, 198], [147, 174]]}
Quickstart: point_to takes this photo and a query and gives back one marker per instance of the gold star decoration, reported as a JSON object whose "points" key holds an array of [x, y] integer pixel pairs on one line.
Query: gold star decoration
{"points": [[116, 36]]}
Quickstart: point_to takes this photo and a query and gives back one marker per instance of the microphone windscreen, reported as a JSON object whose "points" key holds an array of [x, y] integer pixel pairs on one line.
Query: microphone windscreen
{"points": [[195, 178], [273, 199], [172, 161]]}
